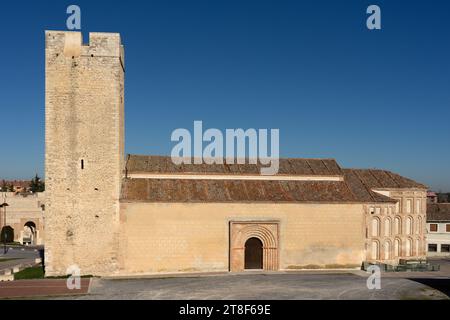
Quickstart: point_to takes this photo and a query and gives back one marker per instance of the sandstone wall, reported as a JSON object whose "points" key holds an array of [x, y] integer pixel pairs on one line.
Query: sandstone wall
{"points": [[84, 150], [160, 237], [397, 231]]}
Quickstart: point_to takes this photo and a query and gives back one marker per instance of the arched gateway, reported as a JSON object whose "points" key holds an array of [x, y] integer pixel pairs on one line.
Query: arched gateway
{"points": [[254, 245], [253, 254]]}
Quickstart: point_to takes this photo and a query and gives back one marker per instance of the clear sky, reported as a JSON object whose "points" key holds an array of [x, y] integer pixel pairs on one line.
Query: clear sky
{"points": [[370, 99]]}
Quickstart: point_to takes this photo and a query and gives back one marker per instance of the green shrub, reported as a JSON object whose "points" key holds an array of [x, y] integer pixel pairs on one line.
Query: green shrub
{"points": [[30, 273]]}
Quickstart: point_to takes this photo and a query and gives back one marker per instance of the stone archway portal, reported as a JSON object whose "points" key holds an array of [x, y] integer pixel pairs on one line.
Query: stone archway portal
{"points": [[247, 238]]}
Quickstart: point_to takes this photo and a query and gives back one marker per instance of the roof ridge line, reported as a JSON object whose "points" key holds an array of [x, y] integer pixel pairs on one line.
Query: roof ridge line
{"points": [[169, 156], [350, 189], [375, 177], [307, 162], [323, 161], [389, 173]]}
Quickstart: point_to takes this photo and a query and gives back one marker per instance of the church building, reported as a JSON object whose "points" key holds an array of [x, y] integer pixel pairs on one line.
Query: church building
{"points": [[112, 214]]}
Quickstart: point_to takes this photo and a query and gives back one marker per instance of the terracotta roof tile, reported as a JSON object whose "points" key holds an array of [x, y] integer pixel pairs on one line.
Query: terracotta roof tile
{"points": [[356, 186], [438, 212], [168, 190], [164, 164], [383, 179], [361, 182]]}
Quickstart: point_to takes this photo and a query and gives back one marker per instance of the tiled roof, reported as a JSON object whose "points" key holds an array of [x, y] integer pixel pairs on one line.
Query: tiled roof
{"points": [[157, 190], [382, 179], [164, 164], [438, 212], [356, 185], [361, 189]]}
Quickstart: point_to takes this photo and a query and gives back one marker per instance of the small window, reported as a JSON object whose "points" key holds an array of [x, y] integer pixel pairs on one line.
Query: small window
{"points": [[447, 228], [432, 247], [433, 227], [445, 247], [82, 164]]}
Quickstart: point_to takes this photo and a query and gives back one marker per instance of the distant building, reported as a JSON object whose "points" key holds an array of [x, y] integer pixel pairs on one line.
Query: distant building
{"points": [[18, 185], [24, 218], [438, 229], [432, 197]]}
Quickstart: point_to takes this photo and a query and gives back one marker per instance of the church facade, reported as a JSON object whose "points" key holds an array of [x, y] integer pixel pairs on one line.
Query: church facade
{"points": [[111, 214]]}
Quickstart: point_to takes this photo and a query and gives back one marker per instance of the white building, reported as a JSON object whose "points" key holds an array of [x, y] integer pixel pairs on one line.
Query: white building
{"points": [[438, 229]]}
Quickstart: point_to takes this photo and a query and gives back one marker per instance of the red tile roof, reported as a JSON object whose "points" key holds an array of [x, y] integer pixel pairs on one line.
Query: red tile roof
{"points": [[383, 179], [438, 212], [166, 190], [164, 164], [356, 186]]}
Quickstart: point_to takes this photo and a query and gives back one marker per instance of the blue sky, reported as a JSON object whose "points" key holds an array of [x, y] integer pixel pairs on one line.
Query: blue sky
{"points": [[372, 99]]}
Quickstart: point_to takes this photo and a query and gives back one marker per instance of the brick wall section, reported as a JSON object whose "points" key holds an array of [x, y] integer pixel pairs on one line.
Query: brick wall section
{"points": [[84, 121]]}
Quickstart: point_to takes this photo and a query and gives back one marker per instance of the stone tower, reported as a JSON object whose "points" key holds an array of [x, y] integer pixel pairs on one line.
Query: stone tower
{"points": [[84, 155]]}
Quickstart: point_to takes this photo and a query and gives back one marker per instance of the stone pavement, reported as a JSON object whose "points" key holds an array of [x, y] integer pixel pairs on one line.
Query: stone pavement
{"points": [[282, 286], [295, 285]]}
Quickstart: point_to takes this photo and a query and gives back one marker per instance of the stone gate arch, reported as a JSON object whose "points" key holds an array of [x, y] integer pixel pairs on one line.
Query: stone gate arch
{"points": [[7, 234], [29, 233], [266, 232]]}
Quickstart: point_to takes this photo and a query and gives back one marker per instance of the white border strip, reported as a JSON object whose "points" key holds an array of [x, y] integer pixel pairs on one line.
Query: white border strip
{"points": [[232, 177]]}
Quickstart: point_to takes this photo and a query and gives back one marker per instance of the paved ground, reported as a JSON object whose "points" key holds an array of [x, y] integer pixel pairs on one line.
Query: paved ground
{"points": [[25, 256], [40, 288], [300, 285], [261, 287]]}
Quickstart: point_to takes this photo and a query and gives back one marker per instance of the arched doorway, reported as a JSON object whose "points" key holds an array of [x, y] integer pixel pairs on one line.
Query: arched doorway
{"points": [[253, 254], [409, 247], [241, 239], [398, 225], [375, 227], [375, 250], [29, 233], [397, 248], [387, 227], [387, 250], [7, 234]]}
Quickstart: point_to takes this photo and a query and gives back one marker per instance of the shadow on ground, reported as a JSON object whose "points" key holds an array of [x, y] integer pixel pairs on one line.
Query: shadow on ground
{"points": [[442, 285]]}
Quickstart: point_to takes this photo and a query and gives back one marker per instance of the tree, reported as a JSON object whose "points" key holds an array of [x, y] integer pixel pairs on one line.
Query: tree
{"points": [[4, 187], [443, 197], [37, 185]]}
